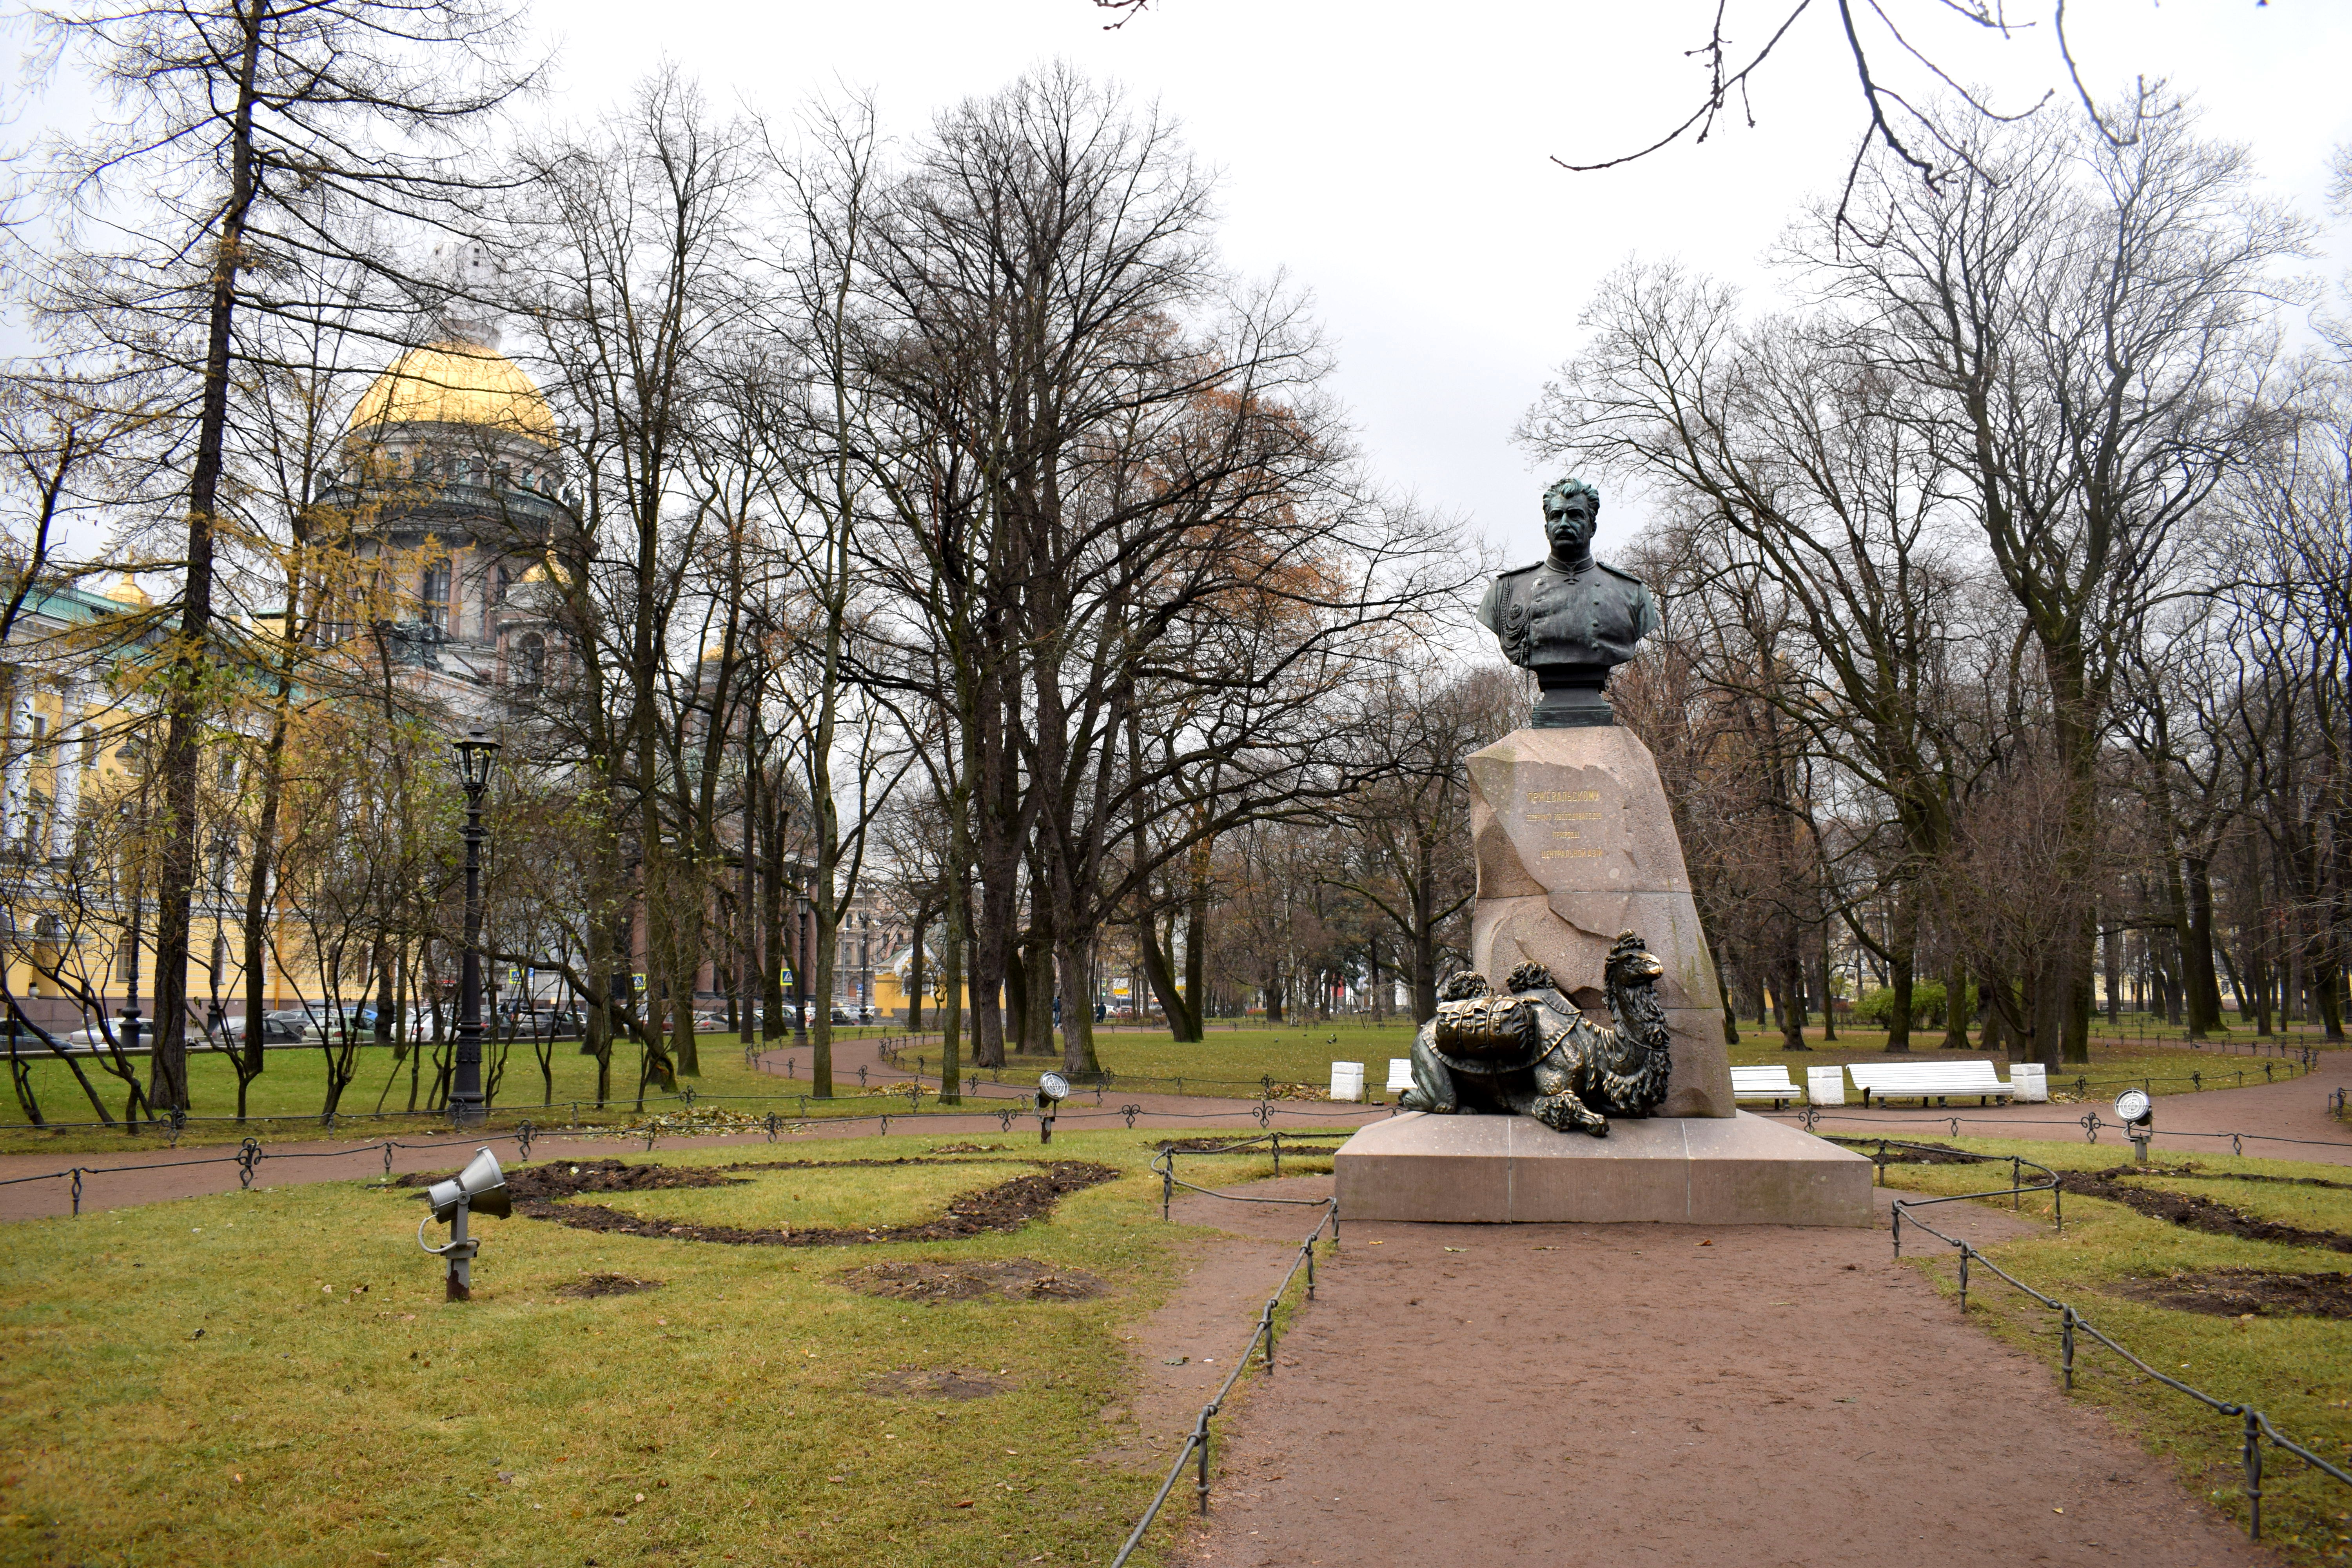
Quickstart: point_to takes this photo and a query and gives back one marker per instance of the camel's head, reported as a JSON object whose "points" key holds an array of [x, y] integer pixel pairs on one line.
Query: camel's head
{"points": [[1632, 963]]}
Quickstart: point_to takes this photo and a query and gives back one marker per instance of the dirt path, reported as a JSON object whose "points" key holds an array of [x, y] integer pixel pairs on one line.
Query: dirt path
{"points": [[1666, 1394], [157, 1175], [112, 1181], [2295, 1111]]}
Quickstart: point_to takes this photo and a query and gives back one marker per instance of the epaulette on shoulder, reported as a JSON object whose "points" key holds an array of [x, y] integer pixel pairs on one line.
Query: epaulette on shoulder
{"points": [[1617, 571], [1523, 571]]}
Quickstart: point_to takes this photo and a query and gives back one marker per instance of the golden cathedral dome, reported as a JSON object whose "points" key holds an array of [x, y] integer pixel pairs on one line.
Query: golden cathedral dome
{"points": [[549, 570], [454, 383]]}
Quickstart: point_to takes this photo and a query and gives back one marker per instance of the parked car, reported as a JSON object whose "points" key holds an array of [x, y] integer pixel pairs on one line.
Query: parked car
{"points": [[78, 1040], [275, 1031]]}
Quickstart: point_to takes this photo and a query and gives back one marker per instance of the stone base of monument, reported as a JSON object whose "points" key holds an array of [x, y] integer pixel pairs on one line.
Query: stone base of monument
{"points": [[1496, 1170]]}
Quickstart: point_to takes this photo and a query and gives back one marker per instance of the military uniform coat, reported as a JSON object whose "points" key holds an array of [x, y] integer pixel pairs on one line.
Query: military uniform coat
{"points": [[1544, 616]]}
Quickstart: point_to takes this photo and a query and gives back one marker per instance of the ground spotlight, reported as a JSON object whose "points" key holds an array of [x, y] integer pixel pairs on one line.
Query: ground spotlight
{"points": [[2136, 1111], [1052, 1089], [480, 1188]]}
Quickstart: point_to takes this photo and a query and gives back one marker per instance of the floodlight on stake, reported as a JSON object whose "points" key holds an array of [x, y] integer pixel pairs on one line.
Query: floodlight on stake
{"points": [[480, 1188], [1052, 1089], [2136, 1111]]}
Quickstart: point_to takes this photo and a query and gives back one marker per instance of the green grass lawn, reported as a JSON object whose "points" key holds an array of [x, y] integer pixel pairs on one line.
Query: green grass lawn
{"points": [[273, 1377], [2296, 1370], [293, 1085]]}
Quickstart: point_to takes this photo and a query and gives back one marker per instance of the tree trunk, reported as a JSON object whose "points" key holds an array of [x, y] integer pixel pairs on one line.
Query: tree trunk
{"points": [[917, 973], [776, 946], [1075, 960], [951, 983], [1956, 1010], [1829, 995], [168, 1067], [1016, 997], [1159, 971], [1723, 989], [1196, 940]]}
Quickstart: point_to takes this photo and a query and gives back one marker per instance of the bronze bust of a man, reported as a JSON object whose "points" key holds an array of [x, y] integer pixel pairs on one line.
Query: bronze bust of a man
{"points": [[1569, 618]]}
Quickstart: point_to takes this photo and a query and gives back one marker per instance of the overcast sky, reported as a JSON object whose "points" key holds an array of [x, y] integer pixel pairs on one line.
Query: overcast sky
{"points": [[1395, 160]]}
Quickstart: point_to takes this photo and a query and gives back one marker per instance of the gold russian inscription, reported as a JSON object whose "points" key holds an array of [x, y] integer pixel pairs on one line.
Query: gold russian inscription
{"points": [[1547, 796], [1572, 854]]}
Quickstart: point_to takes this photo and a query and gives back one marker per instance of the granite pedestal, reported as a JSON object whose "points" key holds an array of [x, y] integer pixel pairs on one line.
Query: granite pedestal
{"points": [[1575, 842], [1735, 1170]]}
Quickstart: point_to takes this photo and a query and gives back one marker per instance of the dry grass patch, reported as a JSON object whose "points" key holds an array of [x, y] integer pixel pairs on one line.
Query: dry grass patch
{"points": [[2294, 1367], [336, 1410]]}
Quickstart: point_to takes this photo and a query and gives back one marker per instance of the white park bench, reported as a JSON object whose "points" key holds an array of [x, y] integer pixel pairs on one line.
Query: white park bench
{"points": [[1825, 1085], [2029, 1083], [1764, 1083], [1929, 1080], [1347, 1081], [1399, 1074]]}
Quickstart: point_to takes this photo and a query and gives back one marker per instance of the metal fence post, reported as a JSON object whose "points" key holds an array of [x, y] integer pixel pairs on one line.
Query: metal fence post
{"points": [[2066, 1345], [1965, 1250], [2253, 1457], [1200, 1435]]}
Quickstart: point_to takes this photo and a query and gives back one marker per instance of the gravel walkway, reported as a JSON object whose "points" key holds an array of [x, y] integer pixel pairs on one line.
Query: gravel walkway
{"points": [[1500, 1396]]}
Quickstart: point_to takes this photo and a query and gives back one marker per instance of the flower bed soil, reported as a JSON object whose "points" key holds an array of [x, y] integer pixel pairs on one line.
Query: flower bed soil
{"points": [[975, 1279], [2242, 1293], [588, 1287], [1006, 1206], [2192, 1211]]}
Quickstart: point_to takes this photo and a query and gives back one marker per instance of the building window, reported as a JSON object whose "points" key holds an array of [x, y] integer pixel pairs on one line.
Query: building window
{"points": [[435, 598], [530, 662]]}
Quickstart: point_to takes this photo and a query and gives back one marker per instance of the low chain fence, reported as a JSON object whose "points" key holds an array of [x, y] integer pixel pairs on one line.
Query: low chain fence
{"points": [[2254, 1428], [774, 1125], [1195, 1449], [1263, 1087], [2092, 1124], [251, 1154], [2222, 1045]]}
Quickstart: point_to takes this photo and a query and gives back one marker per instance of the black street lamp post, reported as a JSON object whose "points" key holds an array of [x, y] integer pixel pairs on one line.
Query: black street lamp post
{"points": [[476, 752]]}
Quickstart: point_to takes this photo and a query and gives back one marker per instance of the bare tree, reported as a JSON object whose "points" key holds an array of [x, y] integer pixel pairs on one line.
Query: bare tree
{"points": [[261, 138], [2091, 324]]}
